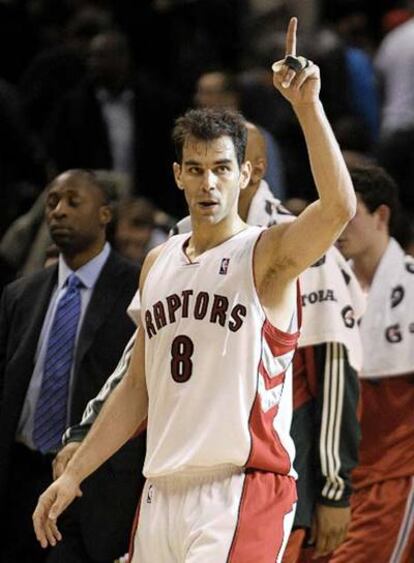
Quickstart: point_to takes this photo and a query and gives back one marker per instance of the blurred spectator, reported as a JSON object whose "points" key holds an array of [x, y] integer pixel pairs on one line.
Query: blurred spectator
{"points": [[352, 135], [220, 88], [394, 62], [189, 35], [355, 21], [23, 165], [395, 152], [136, 230], [349, 70], [117, 120], [18, 39], [60, 67]]}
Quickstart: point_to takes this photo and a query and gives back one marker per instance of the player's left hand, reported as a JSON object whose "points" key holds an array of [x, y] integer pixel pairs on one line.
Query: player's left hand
{"points": [[300, 86], [329, 528]]}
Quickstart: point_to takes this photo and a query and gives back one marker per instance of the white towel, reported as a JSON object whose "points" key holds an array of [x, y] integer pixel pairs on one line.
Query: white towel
{"points": [[332, 300], [387, 327], [332, 304]]}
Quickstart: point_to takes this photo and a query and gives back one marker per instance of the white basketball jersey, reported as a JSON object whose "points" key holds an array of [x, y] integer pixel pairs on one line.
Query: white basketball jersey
{"points": [[218, 373]]}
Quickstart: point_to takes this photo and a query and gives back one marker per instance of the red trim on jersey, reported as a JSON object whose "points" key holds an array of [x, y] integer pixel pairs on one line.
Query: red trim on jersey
{"points": [[267, 451], [279, 341], [271, 382], [266, 499], [134, 530]]}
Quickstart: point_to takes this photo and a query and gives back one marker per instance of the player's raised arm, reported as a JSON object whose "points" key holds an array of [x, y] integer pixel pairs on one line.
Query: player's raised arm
{"points": [[302, 242]]}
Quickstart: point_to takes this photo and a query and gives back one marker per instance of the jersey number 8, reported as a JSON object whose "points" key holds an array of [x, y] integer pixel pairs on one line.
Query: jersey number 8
{"points": [[182, 349]]}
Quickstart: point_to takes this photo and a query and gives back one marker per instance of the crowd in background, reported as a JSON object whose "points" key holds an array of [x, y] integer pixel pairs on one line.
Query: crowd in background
{"points": [[94, 87], [98, 84]]}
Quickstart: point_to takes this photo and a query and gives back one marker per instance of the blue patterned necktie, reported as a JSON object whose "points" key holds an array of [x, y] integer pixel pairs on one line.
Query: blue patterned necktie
{"points": [[51, 408]]}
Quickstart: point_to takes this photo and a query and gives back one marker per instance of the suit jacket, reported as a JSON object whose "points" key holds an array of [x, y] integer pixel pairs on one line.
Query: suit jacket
{"points": [[111, 494]]}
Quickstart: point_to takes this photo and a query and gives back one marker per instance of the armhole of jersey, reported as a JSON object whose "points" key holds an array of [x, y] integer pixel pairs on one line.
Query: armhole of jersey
{"points": [[276, 334]]}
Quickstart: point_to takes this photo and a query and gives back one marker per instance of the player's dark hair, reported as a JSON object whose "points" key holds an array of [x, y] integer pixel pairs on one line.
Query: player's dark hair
{"points": [[208, 125], [376, 187]]}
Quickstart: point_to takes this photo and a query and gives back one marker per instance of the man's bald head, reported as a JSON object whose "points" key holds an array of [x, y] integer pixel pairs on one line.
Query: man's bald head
{"points": [[256, 153]]}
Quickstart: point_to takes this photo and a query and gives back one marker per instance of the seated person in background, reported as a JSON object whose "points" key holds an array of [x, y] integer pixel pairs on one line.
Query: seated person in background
{"points": [[136, 231]]}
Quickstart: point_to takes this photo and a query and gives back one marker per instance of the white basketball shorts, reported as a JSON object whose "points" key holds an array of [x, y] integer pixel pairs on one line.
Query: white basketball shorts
{"points": [[227, 515]]}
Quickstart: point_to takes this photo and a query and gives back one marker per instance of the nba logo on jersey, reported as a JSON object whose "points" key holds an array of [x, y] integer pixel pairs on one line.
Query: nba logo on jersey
{"points": [[224, 266], [149, 495]]}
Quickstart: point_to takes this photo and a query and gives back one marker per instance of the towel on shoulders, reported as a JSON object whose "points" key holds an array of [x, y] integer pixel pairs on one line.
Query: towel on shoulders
{"points": [[332, 304], [387, 327]]}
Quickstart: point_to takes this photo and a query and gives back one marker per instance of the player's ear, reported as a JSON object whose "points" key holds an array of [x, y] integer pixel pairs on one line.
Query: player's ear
{"points": [[383, 213], [245, 173], [177, 175]]}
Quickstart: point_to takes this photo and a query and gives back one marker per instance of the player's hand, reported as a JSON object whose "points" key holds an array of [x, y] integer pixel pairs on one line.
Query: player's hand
{"points": [[329, 528], [301, 86], [63, 458], [50, 505]]}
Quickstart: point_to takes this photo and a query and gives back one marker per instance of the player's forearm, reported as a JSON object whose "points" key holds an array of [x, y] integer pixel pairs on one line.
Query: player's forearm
{"points": [[329, 170], [123, 412], [93, 408], [121, 415]]}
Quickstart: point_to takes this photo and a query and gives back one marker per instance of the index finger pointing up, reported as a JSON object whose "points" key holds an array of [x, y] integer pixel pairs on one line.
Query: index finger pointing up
{"points": [[290, 45]]}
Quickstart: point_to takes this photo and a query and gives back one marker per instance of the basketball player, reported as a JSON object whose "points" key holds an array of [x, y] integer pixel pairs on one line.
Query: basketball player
{"points": [[325, 381], [219, 328]]}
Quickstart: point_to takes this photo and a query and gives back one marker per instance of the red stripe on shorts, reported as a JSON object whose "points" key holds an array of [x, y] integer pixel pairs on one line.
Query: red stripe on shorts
{"points": [[259, 535]]}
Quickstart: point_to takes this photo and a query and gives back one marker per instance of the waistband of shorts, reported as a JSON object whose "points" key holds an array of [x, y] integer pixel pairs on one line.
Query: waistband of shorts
{"points": [[197, 475]]}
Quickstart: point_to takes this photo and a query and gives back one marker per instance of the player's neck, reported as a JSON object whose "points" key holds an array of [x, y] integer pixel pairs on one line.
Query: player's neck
{"points": [[206, 236]]}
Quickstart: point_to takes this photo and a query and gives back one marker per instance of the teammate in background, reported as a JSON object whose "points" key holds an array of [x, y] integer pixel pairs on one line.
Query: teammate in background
{"points": [[382, 524], [214, 465]]}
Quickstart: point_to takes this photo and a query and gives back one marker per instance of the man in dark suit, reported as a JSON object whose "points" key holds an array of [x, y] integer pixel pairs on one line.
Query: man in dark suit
{"points": [[117, 119], [77, 213]]}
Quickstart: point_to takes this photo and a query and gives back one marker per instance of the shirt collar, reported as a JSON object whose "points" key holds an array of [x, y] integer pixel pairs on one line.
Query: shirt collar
{"points": [[88, 273], [104, 96]]}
